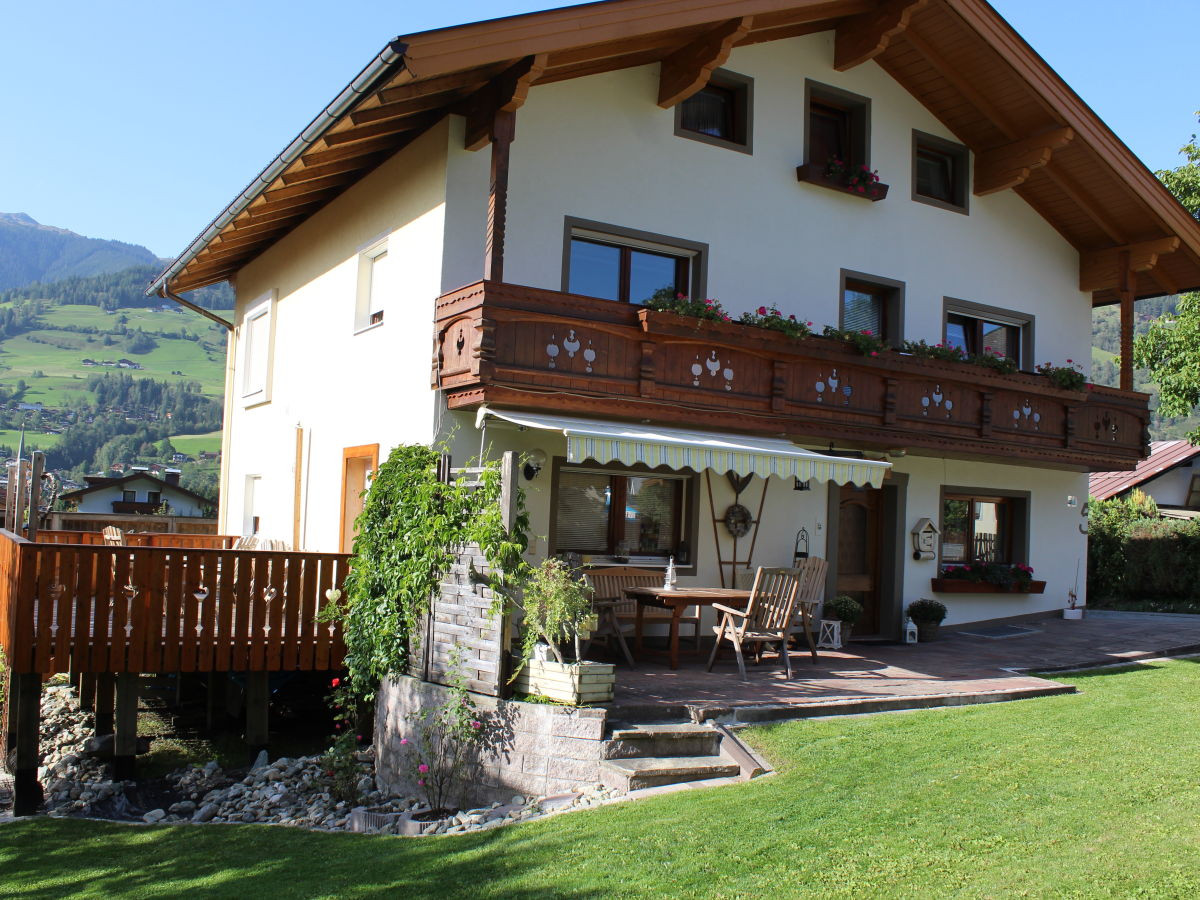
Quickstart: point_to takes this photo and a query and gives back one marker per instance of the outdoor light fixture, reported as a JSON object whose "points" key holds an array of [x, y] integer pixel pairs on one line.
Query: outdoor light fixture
{"points": [[802, 485], [534, 460]]}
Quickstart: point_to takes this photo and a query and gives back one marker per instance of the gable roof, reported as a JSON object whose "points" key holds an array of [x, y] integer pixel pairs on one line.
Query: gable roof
{"points": [[1164, 456], [959, 58], [116, 482]]}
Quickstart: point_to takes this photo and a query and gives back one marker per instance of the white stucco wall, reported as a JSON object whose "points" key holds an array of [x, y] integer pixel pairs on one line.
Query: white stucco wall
{"points": [[599, 148], [1171, 488], [342, 388], [101, 501]]}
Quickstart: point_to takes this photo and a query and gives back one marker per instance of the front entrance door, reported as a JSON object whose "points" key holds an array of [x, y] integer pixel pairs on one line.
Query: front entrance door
{"points": [[358, 464], [860, 528]]}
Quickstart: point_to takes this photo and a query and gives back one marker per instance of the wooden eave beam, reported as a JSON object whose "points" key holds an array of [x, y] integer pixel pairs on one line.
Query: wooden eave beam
{"points": [[1106, 269], [406, 109], [246, 227], [281, 209], [308, 187], [865, 36], [1006, 167], [471, 80], [314, 173], [504, 93], [378, 129], [689, 68], [229, 243], [350, 151]]}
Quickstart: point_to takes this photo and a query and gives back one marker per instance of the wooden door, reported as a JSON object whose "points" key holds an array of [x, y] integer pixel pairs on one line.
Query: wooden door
{"points": [[860, 527], [358, 464]]}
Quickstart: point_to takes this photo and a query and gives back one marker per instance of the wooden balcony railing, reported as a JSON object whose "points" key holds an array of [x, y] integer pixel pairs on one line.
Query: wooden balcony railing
{"points": [[167, 608], [543, 350]]}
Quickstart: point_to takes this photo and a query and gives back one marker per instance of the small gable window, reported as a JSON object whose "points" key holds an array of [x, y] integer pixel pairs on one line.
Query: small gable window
{"points": [[719, 113], [941, 170]]}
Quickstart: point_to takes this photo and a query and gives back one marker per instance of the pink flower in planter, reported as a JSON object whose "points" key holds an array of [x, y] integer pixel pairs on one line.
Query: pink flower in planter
{"points": [[420, 782], [874, 353], [476, 725], [335, 682], [861, 189], [422, 768], [809, 324], [792, 318]]}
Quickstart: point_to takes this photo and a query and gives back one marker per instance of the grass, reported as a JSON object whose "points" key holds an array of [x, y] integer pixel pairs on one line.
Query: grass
{"points": [[34, 440], [1091, 795], [192, 444]]}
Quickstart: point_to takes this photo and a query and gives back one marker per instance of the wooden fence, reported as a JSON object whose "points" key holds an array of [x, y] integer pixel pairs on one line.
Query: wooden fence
{"points": [[142, 539], [87, 608]]}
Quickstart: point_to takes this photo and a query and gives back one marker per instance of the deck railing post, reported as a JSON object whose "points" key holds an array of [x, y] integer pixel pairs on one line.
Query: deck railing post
{"points": [[27, 697], [87, 691]]}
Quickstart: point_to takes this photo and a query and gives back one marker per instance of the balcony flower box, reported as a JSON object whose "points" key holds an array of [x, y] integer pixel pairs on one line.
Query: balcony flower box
{"points": [[815, 174], [963, 586]]}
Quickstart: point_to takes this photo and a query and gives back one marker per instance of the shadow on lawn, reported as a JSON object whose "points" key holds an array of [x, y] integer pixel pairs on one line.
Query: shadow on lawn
{"points": [[56, 858]]}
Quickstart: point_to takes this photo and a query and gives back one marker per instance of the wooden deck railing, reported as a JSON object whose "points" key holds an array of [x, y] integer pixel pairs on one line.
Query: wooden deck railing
{"points": [[142, 539], [86, 608]]}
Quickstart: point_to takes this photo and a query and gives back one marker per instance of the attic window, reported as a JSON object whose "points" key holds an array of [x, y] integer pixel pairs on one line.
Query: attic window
{"points": [[941, 171], [374, 285], [839, 126], [719, 113]]}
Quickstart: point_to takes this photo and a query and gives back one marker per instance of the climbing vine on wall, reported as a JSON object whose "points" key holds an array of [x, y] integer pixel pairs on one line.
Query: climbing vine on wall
{"points": [[409, 529]]}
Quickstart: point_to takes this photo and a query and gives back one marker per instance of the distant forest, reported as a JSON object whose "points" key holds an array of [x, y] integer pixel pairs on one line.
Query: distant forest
{"points": [[114, 290]]}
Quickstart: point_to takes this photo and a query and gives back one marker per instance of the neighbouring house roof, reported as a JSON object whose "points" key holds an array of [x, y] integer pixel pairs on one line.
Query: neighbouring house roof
{"points": [[100, 484], [1164, 456], [957, 57]]}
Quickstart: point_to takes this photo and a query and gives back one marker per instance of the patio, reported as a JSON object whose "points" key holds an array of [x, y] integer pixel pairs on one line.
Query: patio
{"points": [[968, 665]]}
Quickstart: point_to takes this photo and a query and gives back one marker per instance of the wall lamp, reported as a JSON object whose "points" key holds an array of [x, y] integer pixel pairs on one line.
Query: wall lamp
{"points": [[534, 461]]}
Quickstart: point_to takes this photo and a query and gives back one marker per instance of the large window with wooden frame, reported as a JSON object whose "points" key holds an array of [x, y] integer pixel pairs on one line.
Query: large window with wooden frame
{"points": [[983, 527], [838, 127], [622, 264], [980, 330], [873, 304], [720, 113], [941, 172], [622, 515]]}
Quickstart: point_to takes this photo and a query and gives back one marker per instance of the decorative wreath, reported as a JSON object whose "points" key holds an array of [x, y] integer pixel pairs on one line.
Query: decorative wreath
{"points": [[738, 520]]}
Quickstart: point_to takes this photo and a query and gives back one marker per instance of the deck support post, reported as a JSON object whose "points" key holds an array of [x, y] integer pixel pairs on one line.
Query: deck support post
{"points": [[214, 702], [106, 684], [27, 713], [125, 736], [87, 691], [258, 704]]}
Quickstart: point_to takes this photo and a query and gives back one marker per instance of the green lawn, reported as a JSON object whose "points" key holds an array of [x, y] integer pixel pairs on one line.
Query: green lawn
{"points": [[191, 444], [1091, 795], [34, 440]]}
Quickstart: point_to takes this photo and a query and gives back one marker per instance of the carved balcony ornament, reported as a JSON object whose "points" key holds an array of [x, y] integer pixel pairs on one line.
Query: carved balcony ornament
{"points": [[571, 345], [711, 363], [55, 591], [269, 594], [201, 594], [833, 386], [937, 401], [1026, 414]]}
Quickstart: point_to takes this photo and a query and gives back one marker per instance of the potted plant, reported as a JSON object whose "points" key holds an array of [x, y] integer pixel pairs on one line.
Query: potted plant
{"points": [[846, 610], [558, 611], [927, 615], [1073, 610]]}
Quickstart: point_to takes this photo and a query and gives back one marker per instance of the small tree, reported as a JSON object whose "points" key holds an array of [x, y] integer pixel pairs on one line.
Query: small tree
{"points": [[558, 608]]}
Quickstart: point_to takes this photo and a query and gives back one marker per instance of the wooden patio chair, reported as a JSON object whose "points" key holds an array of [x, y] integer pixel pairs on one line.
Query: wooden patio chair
{"points": [[809, 596], [246, 542], [613, 610], [113, 536], [767, 618]]}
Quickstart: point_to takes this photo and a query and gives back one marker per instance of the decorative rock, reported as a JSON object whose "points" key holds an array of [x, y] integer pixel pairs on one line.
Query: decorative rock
{"points": [[155, 815], [182, 808], [260, 761], [205, 813]]}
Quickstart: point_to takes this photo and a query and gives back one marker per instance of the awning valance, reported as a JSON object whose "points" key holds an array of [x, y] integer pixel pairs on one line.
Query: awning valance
{"points": [[603, 442]]}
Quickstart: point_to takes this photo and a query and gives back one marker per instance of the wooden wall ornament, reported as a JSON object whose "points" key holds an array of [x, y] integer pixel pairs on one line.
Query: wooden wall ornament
{"points": [[865, 36], [1010, 165], [688, 69]]}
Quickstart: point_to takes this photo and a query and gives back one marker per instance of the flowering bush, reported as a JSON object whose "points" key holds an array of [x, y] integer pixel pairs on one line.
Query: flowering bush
{"points": [[1069, 377], [993, 359], [857, 178], [1017, 576], [338, 763], [442, 742], [667, 300], [866, 342], [770, 317], [948, 352]]}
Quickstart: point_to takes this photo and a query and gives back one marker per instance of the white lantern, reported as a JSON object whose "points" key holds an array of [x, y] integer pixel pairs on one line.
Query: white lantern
{"points": [[910, 632]]}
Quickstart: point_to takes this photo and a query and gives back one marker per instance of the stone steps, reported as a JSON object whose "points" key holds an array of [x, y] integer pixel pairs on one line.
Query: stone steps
{"points": [[662, 740], [646, 772]]}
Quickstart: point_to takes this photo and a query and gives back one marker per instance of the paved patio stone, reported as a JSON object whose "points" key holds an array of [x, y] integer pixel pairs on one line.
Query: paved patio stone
{"points": [[865, 677]]}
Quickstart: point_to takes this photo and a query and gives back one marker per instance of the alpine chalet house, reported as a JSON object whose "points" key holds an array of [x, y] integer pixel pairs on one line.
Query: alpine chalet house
{"points": [[460, 246]]}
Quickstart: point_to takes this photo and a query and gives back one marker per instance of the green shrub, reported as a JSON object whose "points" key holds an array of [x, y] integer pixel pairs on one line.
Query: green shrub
{"points": [[845, 608], [926, 612], [1135, 557]]}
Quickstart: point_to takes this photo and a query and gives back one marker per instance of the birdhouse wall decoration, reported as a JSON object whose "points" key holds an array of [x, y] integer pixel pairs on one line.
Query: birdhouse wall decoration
{"points": [[925, 539]]}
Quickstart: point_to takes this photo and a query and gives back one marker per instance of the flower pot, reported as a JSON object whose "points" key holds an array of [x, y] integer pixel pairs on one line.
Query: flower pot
{"points": [[962, 586], [575, 683], [1076, 613], [813, 173], [928, 631]]}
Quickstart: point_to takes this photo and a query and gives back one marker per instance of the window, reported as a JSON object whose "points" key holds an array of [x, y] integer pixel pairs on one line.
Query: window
{"points": [[374, 285], [640, 516], [984, 526], [941, 172], [154, 497], [622, 264], [1193, 495], [129, 496], [980, 329], [256, 352], [874, 304], [838, 126], [719, 113]]}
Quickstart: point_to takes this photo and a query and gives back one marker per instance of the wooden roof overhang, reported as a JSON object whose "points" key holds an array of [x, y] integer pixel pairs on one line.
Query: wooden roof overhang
{"points": [[1029, 131]]}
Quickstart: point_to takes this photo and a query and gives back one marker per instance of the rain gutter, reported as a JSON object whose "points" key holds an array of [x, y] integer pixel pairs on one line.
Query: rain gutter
{"points": [[381, 67]]}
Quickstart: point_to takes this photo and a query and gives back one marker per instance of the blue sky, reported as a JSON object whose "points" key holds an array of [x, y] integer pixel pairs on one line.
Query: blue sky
{"points": [[139, 121]]}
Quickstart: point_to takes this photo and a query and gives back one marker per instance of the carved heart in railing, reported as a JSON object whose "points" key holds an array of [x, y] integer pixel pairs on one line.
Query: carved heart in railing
{"points": [[333, 595], [56, 591], [270, 594], [200, 593]]}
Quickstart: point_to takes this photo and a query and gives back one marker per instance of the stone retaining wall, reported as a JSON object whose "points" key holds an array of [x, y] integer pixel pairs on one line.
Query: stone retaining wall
{"points": [[534, 748]]}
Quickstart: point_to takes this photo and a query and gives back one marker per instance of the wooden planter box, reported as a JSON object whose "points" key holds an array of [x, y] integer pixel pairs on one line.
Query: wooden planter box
{"points": [[815, 174], [962, 586], [577, 683]]}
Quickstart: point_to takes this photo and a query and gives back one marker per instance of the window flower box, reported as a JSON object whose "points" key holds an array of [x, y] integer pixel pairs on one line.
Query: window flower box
{"points": [[963, 586], [813, 173]]}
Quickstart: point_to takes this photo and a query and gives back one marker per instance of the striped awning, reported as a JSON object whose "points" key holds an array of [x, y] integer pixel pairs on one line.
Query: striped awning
{"points": [[676, 448]]}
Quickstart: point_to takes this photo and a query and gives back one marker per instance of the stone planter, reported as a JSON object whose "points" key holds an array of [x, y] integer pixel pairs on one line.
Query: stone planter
{"points": [[928, 631], [574, 683], [962, 586]]}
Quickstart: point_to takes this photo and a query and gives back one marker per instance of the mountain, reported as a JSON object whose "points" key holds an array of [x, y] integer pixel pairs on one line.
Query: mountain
{"points": [[114, 290], [30, 251]]}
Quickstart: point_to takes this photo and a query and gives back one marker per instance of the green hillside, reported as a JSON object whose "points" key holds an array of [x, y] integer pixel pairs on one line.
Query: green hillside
{"points": [[30, 251]]}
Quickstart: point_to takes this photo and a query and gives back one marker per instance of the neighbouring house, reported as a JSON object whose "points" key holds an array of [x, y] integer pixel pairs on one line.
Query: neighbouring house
{"points": [[1170, 476], [137, 492], [513, 191]]}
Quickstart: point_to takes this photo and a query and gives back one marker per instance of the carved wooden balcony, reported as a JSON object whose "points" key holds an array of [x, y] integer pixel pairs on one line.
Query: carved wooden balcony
{"points": [[535, 349]]}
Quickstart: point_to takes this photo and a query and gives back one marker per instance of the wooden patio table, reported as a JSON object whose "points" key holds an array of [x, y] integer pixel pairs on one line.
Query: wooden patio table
{"points": [[677, 600]]}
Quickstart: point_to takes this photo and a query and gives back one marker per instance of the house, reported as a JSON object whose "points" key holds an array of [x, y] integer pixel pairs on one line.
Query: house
{"points": [[514, 190], [1170, 476], [137, 492]]}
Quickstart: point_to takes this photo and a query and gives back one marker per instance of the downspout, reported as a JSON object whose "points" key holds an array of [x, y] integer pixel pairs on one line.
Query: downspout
{"points": [[167, 294], [381, 67]]}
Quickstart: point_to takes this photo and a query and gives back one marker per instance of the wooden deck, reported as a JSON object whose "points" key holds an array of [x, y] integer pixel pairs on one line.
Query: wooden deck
{"points": [[164, 603]]}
